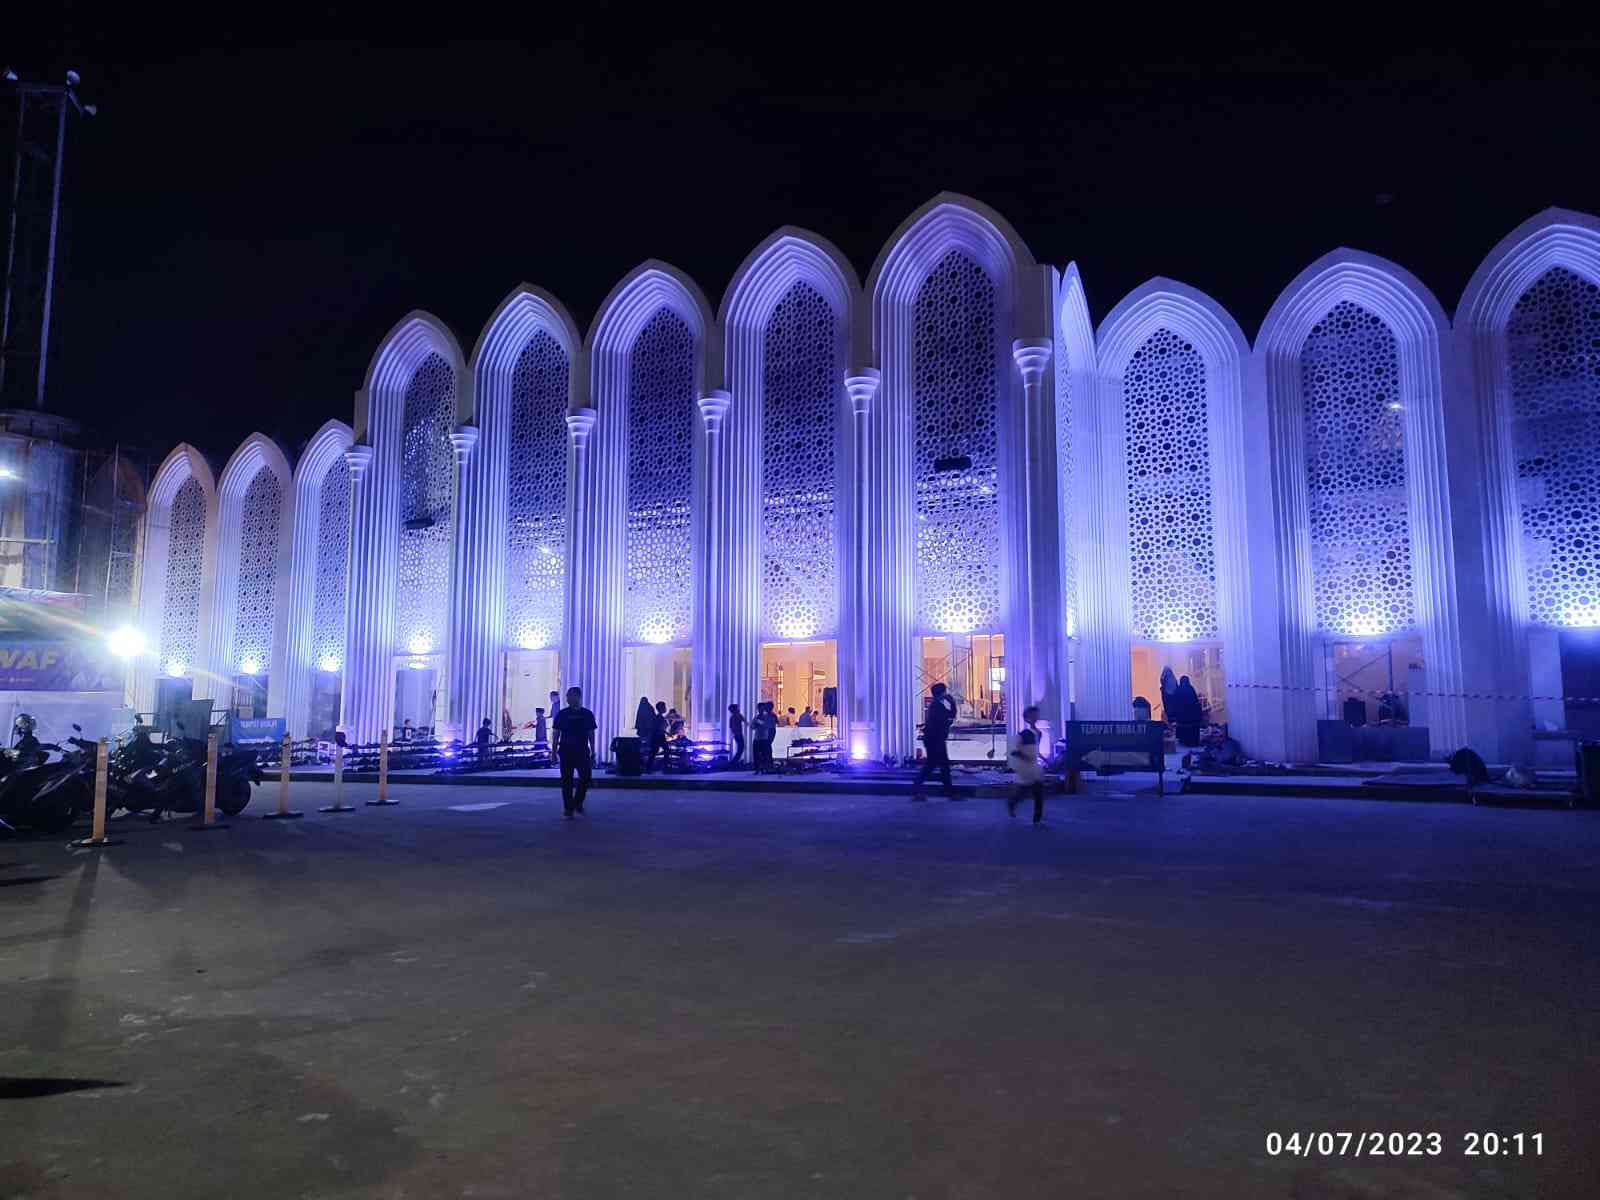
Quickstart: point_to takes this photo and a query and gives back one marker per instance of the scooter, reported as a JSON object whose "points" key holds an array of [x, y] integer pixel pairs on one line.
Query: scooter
{"points": [[26, 799]]}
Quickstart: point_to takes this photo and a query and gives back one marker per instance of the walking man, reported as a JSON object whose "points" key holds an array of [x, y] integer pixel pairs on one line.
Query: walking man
{"points": [[574, 729], [1026, 767], [935, 736], [736, 731]]}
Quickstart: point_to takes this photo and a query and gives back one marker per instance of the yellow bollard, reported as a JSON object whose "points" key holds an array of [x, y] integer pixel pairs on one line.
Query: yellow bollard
{"points": [[283, 812], [97, 833], [383, 800], [208, 811], [338, 804]]}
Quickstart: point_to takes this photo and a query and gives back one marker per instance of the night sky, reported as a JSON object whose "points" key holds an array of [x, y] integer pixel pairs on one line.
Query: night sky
{"points": [[254, 207]]}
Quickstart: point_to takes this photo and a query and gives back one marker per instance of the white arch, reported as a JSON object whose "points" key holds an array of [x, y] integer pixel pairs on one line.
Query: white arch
{"points": [[181, 465], [326, 447], [256, 453], [598, 531], [1488, 509], [1421, 332], [1194, 316], [477, 623], [785, 258], [883, 661], [368, 702]]}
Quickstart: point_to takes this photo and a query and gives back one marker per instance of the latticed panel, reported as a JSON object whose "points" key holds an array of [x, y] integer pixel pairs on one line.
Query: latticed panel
{"points": [[800, 375], [256, 598], [1553, 346], [427, 486], [536, 552], [186, 547], [1356, 474], [333, 560], [1066, 488], [1171, 545], [956, 386], [660, 479]]}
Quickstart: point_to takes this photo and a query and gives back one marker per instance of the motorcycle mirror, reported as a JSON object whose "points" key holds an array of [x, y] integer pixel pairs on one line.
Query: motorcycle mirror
{"points": [[77, 728]]}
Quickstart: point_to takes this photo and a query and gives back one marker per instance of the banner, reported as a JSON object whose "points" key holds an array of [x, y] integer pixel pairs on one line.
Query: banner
{"points": [[255, 731], [56, 666]]}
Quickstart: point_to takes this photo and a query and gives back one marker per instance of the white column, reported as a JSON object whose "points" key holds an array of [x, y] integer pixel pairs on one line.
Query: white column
{"points": [[1105, 597], [1034, 667], [474, 651], [368, 702], [863, 602], [714, 657], [592, 643]]}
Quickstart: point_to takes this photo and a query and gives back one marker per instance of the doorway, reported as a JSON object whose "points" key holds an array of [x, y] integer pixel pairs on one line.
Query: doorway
{"points": [[416, 695], [657, 673], [531, 675], [801, 677], [973, 667]]}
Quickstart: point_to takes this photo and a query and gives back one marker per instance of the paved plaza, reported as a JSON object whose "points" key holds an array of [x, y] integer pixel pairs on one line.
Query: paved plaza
{"points": [[697, 995]]}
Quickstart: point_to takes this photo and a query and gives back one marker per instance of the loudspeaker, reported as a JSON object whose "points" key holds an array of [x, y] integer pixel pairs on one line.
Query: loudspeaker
{"points": [[830, 702]]}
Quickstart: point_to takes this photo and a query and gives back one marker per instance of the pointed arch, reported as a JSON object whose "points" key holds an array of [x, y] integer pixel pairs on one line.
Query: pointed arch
{"points": [[255, 511], [1347, 284], [1196, 334], [1077, 441], [949, 539], [660, 301], [177, 579], [318, 577], [1536, 565]]}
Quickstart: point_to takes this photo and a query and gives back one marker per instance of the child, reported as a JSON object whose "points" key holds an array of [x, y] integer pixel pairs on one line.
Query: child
{"points": [[1025, 765]]}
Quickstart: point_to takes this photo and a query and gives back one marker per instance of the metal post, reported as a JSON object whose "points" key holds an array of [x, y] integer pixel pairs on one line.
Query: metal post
{"points": [[383, 800], [283, 812], [97, 834], [338, 805], [208, 816], [50, 259]]}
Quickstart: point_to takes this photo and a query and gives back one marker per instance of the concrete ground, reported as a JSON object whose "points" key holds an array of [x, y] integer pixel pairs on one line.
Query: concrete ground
{"points": [[747, 996]]}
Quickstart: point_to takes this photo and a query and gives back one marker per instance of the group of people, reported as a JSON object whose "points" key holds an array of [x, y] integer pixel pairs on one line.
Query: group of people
{"points": [[657, 726], [1023, 754], [1181, 707]]}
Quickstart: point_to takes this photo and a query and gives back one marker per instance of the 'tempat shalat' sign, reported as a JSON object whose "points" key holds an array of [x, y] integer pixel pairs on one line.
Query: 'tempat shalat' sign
{"points": [[1111, 745]]}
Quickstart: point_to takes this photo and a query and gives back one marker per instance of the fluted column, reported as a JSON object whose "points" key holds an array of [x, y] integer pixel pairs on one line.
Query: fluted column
{"points": [[863, 616], [1034, 666], [475, 640], [1105, 597], [368, 701], [713, 665], [594, 591]]}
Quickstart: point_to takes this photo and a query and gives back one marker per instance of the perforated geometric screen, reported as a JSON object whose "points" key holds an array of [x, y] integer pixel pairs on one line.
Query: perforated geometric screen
{"points": [[956, 379], [256, 597], [1356, 474], [1553, 346], [800, 378], [180, 611], [427, 486], [661, 420], [1065, 488], [333, 554], [536, 552], [1171, 546]]}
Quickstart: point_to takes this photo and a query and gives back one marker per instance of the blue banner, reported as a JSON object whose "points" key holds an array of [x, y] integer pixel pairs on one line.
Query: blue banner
{"points": [[255, 731]]}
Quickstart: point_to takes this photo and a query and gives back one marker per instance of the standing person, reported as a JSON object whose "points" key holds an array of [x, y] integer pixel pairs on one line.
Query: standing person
{"points": [[1025, 764], [485, 743], [1187, 713], [764, 728], [541, 732], [406, 731], [658, 737], [736, 731], [936, 724], [555, 704], [575, 728], [1169, 689]]}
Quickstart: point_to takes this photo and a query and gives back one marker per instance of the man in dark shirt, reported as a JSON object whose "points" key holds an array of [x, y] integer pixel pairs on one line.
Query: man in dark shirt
{"points": [[935, 736], [485, 743], [736, 729], [574, 732]]}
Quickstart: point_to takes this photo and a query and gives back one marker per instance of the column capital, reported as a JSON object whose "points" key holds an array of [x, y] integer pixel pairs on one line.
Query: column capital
{"points": [[580, 425], [462, 441], [1033, 356], [862, 385], [714, 406], [358, 458]]}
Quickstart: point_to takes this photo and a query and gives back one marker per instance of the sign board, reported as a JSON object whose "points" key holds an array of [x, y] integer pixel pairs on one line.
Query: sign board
{"points": [[1112, 745], [55, 666], [255, 731]]}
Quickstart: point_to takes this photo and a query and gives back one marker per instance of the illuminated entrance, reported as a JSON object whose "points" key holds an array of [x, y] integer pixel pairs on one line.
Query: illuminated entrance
{"points": [[801, 677], [1375, 681], [657, 673], [1200, 661], [973, 667], [417, 694], [531, 675]]}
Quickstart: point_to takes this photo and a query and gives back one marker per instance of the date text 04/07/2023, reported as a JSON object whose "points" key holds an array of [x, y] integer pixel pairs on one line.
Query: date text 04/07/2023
{"points": [[1395, 1144]]}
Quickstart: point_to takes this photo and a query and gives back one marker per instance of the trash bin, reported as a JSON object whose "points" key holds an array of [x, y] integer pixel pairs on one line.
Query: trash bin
{"points": [[1589, 774], [628, 753]]}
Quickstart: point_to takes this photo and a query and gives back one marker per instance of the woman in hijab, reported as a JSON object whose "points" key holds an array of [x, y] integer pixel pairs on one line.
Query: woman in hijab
{"points": [[1187, 714], [1169, 689]]}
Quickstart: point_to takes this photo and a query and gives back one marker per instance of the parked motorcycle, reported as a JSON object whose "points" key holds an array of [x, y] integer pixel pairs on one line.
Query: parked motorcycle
{"points": [[26, 800]]}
